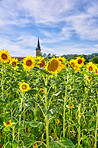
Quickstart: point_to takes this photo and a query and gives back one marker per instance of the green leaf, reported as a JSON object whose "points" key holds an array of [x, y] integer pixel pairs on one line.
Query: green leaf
{"points": [[28, 142], [64, 142], [56, 94], [52, 111], [7, 129], [8, 145], [14, 144], [34, 123]]}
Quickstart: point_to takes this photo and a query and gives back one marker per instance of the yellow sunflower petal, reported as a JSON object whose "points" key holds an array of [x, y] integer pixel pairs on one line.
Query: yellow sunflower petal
{"points": [[42, 63], [91, 67], [24, 87], [7, 123], [89, 78], [73, 63], [4, 56], [80, 61], [14, 63], [28, 62]]}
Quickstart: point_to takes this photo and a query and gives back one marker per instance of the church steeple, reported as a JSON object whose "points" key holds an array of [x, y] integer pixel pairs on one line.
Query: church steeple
{"points": [[38, 44], [38, 48]]}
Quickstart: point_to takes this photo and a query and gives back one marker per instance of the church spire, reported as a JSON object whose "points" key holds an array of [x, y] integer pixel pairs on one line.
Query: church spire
{"points": [[38, 44], [38, 48]]}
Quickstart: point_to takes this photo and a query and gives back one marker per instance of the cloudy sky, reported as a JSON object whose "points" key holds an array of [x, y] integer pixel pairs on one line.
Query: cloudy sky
{"points": [[63, 26]]}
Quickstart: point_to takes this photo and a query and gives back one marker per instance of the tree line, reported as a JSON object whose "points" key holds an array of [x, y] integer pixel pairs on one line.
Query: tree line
{"points": [[88, 58]]}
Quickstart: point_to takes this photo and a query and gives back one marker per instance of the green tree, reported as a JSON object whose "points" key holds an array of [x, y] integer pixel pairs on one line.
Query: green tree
{"points": [[94, 60]]}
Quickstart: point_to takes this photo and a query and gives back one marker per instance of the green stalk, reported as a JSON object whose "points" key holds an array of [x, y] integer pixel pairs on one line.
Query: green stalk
{"points": [[85, 97], [24, 117], [79, 117], [13, 132], [35, 110], [65, 99], [2, 87], [20, 109], [96, 128], [2, 81], [69, 112], [13, 128], [46, 116]]}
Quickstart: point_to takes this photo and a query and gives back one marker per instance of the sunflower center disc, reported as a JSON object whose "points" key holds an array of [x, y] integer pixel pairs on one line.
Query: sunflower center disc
{"points": [[89, 78], [53, 65], [7, 122], [90, 68], [24, 86], [42, 63], [4, 56], [14, 64], [79, 61], [28, 62]]}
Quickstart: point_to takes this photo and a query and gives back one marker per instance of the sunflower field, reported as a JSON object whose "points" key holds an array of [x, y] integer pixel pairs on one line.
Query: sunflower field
{"points": [[48, 103]]}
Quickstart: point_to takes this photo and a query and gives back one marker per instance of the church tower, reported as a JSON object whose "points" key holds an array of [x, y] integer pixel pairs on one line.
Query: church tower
{"points": [[38, 48]]}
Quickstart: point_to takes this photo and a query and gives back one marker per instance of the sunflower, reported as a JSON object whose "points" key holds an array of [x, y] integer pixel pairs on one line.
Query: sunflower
{"points": [[58, 139], [73, 63], [4, 56], [7, 123], [91, 67], [62, 59], [76, 68], [38, 58], [52, 65], [42, 91], [71, 106], [24, 87], [28, 62], [35, 146], [58, 121], [89, 78], [13, 62], [80, 61], [42, 63], [61, 66], [96, 69]]}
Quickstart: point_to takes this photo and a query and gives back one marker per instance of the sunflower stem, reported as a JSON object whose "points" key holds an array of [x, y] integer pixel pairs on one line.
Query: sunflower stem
{"points": [[79, 117], [2, 81], [46, 116], [35, 110], [65, 99], [96, 128], [20, 112], [2, 86], [13, 133]]}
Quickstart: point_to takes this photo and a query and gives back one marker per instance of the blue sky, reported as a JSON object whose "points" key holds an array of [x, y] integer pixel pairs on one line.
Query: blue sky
{"points": [[63, 26]]}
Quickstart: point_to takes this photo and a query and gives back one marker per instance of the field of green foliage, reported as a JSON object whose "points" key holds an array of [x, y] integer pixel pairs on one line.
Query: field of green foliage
{"points": [[48, 103]]}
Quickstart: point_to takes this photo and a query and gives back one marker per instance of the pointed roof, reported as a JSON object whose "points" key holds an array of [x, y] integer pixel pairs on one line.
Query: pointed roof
{"points": [[38, 45]]}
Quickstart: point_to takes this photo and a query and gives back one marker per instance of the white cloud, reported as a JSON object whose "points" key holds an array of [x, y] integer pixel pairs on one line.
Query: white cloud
{"points": [[84, 26], [46, 11], [70, 50], [50, 13], [20, 46], [55, 20], [96, 45]]}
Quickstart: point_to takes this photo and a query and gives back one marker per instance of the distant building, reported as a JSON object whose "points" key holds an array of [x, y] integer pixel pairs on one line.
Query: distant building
{"points": [[19, 58], [38, 48], [38, 51]]}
